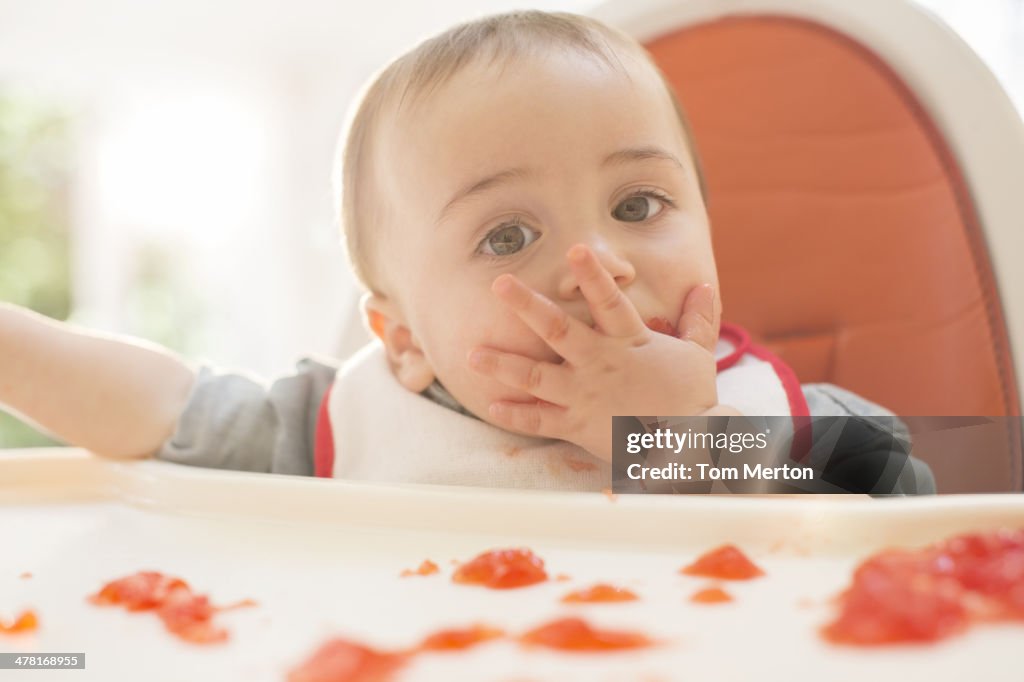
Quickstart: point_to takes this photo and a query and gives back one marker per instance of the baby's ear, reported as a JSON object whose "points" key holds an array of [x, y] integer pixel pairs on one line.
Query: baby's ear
{"points": [[407, 361]]}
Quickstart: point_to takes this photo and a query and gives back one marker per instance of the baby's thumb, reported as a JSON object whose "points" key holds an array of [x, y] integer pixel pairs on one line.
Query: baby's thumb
{"points": [[697, 323]]}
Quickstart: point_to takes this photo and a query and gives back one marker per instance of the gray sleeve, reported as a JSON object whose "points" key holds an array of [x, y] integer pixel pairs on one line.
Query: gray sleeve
{"points": [[869, 438], [234, 420]]}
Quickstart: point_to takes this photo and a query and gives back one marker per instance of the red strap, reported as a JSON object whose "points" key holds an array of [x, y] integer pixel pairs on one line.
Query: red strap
{"points": [[740, 340], [323, 447]]}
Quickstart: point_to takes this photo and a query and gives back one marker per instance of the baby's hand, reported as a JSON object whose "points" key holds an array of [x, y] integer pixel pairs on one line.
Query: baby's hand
{"points": [[623, 368]]}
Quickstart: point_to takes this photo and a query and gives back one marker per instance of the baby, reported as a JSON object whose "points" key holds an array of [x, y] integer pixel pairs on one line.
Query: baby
{"points": [[522, 201]]}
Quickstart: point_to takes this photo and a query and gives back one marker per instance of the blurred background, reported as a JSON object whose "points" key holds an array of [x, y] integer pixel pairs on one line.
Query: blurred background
{"points": [[165, 164]]}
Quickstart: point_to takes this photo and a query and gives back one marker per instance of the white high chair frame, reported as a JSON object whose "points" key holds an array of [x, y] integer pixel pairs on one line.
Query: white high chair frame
{"points": [[980, 123]]}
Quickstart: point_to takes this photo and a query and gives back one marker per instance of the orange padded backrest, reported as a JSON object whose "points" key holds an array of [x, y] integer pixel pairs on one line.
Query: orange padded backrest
{"points": [[846, 238], [844, 234]]}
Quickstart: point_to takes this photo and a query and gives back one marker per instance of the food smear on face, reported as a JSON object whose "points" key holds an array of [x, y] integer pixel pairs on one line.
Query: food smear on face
{"points": [[711, 595], [577, 464], [428, 567], [724, 563], [929, 594], [340, 660], [502, 569], [662, 326], [602, 592], [575, 634], [458, 639], [184, 613], [27, 621]]}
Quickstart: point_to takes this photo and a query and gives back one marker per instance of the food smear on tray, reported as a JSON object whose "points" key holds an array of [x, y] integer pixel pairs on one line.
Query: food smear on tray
{"points": [[457, 639], [576, 635], [242, 604], [428, 567], [602, 592], [27, 621], [341, 660], [184, 613], [502, 569], [724, 563], [929, 594], [26, 575], [711, 595]]}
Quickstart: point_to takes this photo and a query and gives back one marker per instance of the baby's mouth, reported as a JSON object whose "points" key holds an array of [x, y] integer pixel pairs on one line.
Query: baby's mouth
{"points": [[655, 324]]}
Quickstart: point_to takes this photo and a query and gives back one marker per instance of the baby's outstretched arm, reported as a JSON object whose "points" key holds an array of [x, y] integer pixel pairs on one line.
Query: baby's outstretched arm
{"points": [[115, 396]]}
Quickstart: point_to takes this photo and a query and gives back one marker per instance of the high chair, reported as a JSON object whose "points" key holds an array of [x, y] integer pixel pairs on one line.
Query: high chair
{"points": [[865, 173]]}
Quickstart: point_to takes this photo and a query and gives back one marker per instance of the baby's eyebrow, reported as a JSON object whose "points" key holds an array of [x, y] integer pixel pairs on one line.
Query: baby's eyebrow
{"points": [[628, 155], [640, 154], [489, 182]]}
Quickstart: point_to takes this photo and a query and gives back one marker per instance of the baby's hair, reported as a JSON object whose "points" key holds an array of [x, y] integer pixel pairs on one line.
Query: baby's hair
{"points": [[413, 76]]}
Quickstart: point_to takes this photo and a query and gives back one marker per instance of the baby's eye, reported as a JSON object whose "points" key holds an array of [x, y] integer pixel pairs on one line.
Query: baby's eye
{"points": [[639, 207], [507, 239]]}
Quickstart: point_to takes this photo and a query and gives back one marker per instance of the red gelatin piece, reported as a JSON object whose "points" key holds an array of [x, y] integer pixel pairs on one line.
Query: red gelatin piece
{"points": [[26, 622], [140, 592], [991, 564], [339, 660], [600, 593], [574, 634], [898, 597], [458, 639], [185, 614], [725, 563], [502, 569], [711, 595], [190, 617], [428, 567]]}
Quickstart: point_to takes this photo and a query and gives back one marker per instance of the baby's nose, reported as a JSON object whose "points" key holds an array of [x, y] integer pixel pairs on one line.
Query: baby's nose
{"points": [[614, 262]]}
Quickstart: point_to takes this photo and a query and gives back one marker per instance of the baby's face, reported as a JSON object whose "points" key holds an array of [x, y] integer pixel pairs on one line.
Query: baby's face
{"points": [[502, 171]]}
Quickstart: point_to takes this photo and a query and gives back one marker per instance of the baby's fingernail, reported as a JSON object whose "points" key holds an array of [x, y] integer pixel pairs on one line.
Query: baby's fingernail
{"points": [[502, 285], [577, 253]]}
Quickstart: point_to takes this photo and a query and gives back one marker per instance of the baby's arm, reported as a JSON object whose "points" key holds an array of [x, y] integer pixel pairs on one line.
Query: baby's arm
{"points": [[115, 396]]}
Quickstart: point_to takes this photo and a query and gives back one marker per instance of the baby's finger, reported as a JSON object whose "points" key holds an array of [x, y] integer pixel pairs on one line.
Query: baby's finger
{"points": [[567, 336], [547, 381], [612, 310], [535, 419], [697, 322]]}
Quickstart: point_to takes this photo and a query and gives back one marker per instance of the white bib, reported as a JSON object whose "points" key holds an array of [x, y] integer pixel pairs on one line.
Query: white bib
{"points": [[372, 429]]}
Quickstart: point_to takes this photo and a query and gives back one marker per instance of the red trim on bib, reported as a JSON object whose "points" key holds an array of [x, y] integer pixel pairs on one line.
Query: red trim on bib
{"points": [[740, 340], [323, 446]]}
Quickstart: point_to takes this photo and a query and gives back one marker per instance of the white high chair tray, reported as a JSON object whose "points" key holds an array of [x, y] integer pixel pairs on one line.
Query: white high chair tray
{"points": [[322, 559]]}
